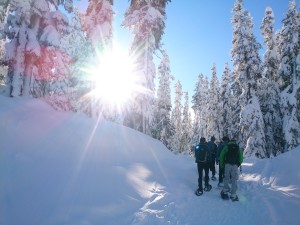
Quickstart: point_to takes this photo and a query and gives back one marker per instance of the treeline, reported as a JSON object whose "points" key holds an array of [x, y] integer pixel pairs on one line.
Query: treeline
{"points": [[46, 43]]}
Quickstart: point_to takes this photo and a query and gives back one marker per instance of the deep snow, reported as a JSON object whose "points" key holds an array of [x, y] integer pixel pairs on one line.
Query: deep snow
{"points": [[59, 168]]}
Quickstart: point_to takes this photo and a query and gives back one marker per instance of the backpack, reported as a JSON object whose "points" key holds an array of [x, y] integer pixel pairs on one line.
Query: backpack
{"points": [[213, 148], [201, 153], [232, 155]]}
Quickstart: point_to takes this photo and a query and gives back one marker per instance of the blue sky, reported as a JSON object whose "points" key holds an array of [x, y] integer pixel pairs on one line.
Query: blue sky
{"points": [[198, 33]]}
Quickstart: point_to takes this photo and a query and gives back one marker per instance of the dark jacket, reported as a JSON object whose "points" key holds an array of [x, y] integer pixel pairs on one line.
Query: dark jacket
{"points": [[220, 147], [212, 150]]}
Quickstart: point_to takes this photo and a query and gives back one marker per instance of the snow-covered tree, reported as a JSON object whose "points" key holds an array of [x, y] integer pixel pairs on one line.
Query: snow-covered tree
{"points": [[186, 134], [30, 25], [229, 107], [289, 72], [176, 119], [80, 49], [247, 67], [98, 22], [162, 127], [3, 14], [269, 93], [213, 116], [199, 101], [145, 18]]}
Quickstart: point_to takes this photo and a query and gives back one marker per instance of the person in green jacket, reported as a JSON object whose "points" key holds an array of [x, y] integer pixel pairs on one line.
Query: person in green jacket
{"points": [[231, 158]]}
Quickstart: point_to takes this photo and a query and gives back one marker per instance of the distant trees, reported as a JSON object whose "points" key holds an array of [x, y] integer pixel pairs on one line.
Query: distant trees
{"points": [[44, 53], [258, 100], [176, 119], [161, 124], [146, 21]]}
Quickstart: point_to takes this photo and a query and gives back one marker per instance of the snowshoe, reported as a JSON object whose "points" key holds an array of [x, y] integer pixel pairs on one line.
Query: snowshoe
{"points": [[213, 178], [208, 188], [234, 199], [224, 195], [199, 192]]}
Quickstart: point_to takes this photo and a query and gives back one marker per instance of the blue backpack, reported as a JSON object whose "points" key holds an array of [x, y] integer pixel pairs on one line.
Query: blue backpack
{"points": [[201, 151]]}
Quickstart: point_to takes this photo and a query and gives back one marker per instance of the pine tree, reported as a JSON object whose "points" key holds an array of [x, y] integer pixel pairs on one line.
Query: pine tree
{"points": [[269, 93], [229, 113], [289, 72], [176, 119], [199, 100], [186, 134], [162, 128], [28, 29], [146, 20], [79, 48], [247, 66], [98, 22], [213, 121]]}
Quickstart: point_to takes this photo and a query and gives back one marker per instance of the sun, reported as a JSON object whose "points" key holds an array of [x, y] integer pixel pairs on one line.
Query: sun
{"points": [[113, 79]]}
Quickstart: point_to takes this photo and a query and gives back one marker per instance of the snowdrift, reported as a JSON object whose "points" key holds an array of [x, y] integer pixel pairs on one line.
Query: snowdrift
{"points": [[60, 168]]}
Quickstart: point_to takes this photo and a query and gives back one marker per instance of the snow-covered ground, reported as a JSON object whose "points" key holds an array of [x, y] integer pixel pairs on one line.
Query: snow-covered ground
{"points": [[60, 168]]}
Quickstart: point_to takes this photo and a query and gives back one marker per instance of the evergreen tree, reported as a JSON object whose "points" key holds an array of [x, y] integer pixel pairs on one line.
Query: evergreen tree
{"points": [[289, 72], [98, 22], [28, 29], [199, 100], [162, 128], [146, 20], [213, 121], [176, 119], [196, 101], [186, 135], [269, 90], [247, 66], [229, 113], [204, 109], [79, 48]]}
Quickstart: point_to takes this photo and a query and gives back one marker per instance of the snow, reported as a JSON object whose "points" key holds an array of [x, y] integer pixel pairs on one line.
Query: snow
{"points": [[60, 168]]}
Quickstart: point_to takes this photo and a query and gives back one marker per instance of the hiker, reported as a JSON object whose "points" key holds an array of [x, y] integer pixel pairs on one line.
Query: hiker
{"points": [[201, 153], [212, 156], [231, 158], [222, 144]]}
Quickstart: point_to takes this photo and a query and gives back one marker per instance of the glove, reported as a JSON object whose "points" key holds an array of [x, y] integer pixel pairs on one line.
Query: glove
{"points": [[238, 165], [217, 162]]}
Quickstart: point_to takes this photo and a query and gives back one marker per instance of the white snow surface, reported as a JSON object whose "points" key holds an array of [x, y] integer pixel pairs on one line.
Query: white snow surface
{"points": [[59, 168]]}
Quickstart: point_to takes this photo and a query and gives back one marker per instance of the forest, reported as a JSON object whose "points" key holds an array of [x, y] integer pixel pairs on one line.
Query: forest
{"points": [[49, 50]]}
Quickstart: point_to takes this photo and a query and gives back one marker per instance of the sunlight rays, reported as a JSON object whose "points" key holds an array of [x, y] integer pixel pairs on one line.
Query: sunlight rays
{"points": [[113, 77]]}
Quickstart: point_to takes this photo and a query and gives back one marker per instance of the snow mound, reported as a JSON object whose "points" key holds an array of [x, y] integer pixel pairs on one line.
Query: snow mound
{"points": [[59, 168]]}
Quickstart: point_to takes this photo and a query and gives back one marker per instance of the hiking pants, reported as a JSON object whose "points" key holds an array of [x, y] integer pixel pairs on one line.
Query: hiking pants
{"points": [[201, 167], [221, 174], [212, 167], [231, 171]]}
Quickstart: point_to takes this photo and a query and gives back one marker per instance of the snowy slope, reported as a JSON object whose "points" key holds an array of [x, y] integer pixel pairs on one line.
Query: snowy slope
{"points": [[60, 168]]}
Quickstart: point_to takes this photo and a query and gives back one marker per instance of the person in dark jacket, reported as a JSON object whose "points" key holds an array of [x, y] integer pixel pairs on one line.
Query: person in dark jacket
{"points": [[201, 152], [222, 144], [231, 158], [212, 156]]}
